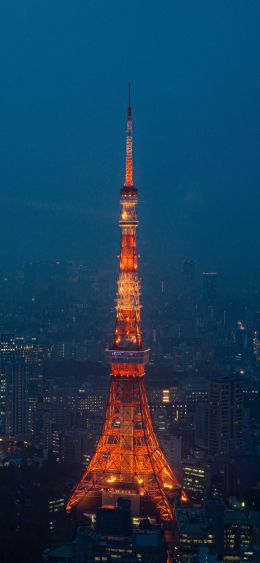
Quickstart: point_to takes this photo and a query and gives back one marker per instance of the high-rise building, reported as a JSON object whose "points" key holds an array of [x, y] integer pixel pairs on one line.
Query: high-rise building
{"points": [[194, 479], [201, 425], [17, 399], [69, 446], [225, 416], [7, 355], [226, 533], [194, 532], [237, 531], [31, 352], [128, 460]]}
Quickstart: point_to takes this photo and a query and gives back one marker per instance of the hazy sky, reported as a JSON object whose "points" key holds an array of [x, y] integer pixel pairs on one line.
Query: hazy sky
{"points": [[195, 73]]}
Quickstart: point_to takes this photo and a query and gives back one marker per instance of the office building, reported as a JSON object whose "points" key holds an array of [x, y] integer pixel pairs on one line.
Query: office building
{"points": [[7, 355], [225, 416], [17, 399]]}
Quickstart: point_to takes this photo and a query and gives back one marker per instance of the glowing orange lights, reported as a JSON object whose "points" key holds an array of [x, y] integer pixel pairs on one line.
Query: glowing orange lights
{"points": [[128, 452], [111, 479], [129, 158], [128, 328], [168, 485], [129, 172], [128, 256], [128, 370], [184, 497]]}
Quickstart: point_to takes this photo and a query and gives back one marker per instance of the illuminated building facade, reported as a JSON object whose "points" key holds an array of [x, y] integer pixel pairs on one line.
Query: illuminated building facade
{"points": [[237, 531], [194, 480], [7, 355], [17, 399], [31, 353], [194, 532], [128, 460]]}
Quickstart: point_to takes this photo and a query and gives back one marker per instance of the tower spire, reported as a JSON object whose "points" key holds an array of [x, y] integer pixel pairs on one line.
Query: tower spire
{"points": [[129, 142]]}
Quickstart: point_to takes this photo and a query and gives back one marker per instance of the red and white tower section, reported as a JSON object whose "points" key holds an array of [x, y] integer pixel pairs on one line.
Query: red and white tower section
{"points": [[128, 461]]}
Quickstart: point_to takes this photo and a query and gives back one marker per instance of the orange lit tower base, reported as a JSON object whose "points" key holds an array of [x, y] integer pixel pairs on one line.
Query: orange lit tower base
{"points": [[128, 458]]}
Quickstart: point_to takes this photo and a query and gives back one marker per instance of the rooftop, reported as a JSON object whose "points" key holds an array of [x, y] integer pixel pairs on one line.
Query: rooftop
{"points": [[236, 517], [191, 521]]}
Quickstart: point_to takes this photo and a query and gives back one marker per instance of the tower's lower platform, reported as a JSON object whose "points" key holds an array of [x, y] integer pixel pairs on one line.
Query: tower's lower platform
{"points": [[141, 505]]}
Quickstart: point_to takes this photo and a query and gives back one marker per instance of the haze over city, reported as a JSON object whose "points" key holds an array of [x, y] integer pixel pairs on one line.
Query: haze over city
{"points": [[194, 69]]}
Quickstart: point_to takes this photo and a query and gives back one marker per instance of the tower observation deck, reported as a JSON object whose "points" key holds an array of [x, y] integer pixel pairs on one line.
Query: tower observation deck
{"points": [[128, 461]]}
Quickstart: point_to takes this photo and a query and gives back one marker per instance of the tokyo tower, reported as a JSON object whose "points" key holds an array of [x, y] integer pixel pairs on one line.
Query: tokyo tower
{"points": [[128, 461]]}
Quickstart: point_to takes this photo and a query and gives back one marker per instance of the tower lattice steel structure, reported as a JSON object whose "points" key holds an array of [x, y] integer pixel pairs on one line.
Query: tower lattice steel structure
{"points": [[128, 456]]}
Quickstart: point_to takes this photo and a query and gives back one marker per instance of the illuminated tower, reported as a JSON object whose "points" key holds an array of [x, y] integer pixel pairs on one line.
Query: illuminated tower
{"points": [[128, 460]]}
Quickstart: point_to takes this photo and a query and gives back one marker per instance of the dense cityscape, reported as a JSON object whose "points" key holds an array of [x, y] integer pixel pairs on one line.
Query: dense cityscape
{"points": [[129, 383], [203, 384]]}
